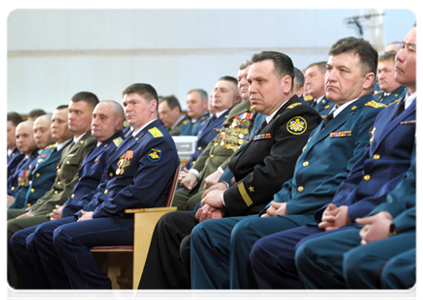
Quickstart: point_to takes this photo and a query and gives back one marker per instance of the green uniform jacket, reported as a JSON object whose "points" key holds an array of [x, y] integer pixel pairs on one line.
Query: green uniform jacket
{"points": [[67, 175], [177, 129], [234, 132]]}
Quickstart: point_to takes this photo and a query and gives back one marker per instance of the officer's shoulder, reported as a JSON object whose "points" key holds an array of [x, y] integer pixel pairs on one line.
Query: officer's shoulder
{"points": [[50, 146], [155, 132], [374, 104]]}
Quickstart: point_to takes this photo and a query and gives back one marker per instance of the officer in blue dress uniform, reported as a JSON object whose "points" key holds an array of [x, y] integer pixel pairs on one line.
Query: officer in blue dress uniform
{"points": [[26, 144], [315, 86], [14, 156], [315, 181], [148, 154], [79, 122], [92, 172], [390, 91], [42, 176], [316, 264]]}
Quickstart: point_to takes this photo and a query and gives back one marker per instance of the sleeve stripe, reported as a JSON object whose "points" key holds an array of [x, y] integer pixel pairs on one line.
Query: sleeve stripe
{"points": [[244, 194]]}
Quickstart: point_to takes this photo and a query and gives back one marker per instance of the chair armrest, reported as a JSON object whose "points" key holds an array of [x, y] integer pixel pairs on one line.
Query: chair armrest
{"points": [[152, 209]]}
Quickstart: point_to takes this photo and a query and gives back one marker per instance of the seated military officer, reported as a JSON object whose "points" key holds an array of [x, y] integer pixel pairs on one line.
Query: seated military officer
{"points": [[170, 114], [259, 168], [138, 174], [107, 129], [25, 142], [390, 90], [79, 122], [14, 156], [44, 141], [196, 111]]}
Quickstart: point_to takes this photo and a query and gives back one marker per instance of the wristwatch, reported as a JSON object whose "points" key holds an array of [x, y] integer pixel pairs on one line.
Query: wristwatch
{"points": [[393, 230]]}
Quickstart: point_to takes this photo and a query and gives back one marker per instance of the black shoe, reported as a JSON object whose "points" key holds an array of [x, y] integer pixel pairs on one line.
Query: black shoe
{"points": [[107, 295]]}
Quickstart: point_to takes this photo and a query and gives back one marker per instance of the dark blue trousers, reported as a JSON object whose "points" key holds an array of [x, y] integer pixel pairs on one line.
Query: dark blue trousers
{"points": [[27, 257]]}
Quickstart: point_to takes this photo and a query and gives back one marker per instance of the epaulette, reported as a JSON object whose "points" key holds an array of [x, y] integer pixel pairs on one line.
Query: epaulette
{"points": [[155, 132], [117, 141], [378, 92], [308, 98], [374, 104], [50, 146], [293, 105]]}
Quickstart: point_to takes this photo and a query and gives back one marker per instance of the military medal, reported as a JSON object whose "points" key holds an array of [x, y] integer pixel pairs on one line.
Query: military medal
{"points": [[124, 161]]}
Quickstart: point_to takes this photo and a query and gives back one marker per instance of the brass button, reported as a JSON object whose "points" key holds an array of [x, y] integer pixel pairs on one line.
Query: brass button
{"points": [[199, 148], [137, 139], [68, 162], [300, 188], [58, 170], [212, 155], [13, 188], [37, 175], [376, 156], [73, 196], [111, 174], [367, 177], [30, 182], [305, 164], [32, 190], [56, 192], [106, 191], [216, 144]]}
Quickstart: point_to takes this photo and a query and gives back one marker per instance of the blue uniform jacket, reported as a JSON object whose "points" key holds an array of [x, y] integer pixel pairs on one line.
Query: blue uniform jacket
{"points": [[41, 179], [91, 172], [193, 128], [139, 173], [13, 160], [393, 97], [383, 165], [328, 157], [19, 178], [324, 107], [206, 133], [401, 202]]}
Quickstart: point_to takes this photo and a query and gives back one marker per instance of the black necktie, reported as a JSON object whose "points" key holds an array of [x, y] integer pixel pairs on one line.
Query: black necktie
{"points": [[212, 119], [313, 104], [401, 108], [328, 119], [262, 126]]}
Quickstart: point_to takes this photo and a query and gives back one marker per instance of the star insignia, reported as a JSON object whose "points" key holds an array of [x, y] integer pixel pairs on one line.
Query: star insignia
{"points": [[251, 189]]}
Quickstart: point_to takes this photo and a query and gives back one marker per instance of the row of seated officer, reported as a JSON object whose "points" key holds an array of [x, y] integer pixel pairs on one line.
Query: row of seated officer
{"points": [[259, 170], [336, 164]]}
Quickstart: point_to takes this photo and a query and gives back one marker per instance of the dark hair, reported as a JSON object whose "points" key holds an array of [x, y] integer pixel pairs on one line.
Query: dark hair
{"points": [[387, 56], [14, 117], [64, 106], [229, 78], [36, 113], [87, 97], [245, 64], [367, 54], [202, 93], [320, 64], [172, 101], [145, 90], [299, 77], [282, 63]]}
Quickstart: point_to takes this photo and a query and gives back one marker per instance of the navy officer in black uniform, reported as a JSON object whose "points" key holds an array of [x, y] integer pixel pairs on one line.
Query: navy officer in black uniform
{"points": [[259, 168]]}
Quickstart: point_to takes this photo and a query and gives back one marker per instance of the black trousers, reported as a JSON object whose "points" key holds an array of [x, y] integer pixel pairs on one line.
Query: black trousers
{"points": [[164, 268]]}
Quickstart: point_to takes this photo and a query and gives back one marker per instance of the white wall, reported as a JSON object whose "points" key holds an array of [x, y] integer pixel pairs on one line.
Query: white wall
{"points": [[53, 54]]}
